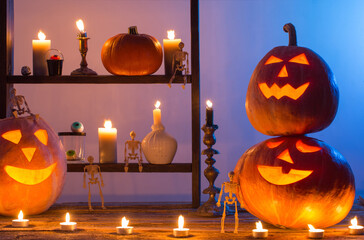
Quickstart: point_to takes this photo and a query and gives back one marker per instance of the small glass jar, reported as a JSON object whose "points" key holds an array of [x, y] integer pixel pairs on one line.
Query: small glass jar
{"points": [[74, 145]]}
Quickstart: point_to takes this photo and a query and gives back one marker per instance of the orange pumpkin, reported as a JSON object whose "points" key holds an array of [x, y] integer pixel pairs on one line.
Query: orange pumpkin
{"points": [[132, 54], [292, 91], [32, 166], [294, 181]]}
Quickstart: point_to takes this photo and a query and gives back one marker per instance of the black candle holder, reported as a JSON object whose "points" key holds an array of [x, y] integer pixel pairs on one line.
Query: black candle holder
{"points": [[83, 70]]}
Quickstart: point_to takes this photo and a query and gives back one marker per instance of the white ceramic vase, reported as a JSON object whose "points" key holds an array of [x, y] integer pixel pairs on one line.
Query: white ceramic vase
{"points": [[158, 146]]}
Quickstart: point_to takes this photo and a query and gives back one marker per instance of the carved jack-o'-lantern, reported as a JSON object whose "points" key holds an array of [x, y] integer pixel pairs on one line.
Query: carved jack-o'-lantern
{"points": [[32, 166], [294, 181], [292, 91]]}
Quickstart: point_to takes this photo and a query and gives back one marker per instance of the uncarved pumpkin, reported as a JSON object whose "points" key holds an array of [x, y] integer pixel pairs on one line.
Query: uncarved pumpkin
{"points": [[294, 181], [132, 54], [32, 166], [291, 91]]}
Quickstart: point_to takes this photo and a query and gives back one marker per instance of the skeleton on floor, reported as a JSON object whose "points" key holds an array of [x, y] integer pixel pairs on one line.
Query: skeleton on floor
{"points": [[93, 170], [134, 153], [231, 188], [178, 64]]}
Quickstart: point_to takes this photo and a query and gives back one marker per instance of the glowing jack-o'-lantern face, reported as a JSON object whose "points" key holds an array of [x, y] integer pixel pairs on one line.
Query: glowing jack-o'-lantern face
{"points": [[32, 166], [292, 91], [293, 181]]}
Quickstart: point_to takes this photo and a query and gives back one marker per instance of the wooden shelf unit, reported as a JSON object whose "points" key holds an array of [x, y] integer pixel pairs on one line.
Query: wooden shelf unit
{"points": [[7, 79]]}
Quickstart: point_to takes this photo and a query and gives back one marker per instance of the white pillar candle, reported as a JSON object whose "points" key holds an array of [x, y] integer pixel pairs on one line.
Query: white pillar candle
{"points": [[315, 233], [259, 232], [157, 115], [67, 225], [355, 229], [20, 222], [181, 231], [40, 48], [170, 46], [107, 143], [124, 229]]}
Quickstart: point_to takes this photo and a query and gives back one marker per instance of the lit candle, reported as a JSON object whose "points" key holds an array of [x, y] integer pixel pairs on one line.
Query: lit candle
{"points": [[259, 232], [355, 229], [20, 222], [81, 27], [40, 48], [209, 113], [107, 143], [157, 115], [170, 46], [67, 225], [181, 231], [315, 233], [124, 229]]}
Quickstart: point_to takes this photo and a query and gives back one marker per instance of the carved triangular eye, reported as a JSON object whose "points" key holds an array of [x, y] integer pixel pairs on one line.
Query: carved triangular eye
{"points": [[273, 59], [13, 136], [42, 136], [306, 148], [274, 144], [301, 59]]}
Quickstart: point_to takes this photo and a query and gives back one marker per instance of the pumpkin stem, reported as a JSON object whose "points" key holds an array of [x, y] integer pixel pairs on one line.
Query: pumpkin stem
{"points": [[290, 29], [133, 30]]}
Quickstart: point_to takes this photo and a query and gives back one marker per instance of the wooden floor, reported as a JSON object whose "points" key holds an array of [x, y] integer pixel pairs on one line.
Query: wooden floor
{"points": [[153, 222]]}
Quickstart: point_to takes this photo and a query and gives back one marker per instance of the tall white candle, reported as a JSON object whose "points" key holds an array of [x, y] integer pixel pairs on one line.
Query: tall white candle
{"points": [[107, 143], [40, 48], [157, 118], [170, 46]]}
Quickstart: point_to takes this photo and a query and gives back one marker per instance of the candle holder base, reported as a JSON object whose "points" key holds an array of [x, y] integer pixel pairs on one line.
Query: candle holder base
{"points": [[83, 71]]}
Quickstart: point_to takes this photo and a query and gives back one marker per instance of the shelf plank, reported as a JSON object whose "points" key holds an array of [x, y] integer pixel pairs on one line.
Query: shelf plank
{"points": [[133, 167], [100, 79]]}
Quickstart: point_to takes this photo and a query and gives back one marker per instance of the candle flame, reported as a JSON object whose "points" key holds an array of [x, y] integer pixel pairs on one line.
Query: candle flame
{"points": [[312, 228], [209, 104], [170, 34], [354, 222], [157, 104], [68, 218], [108, 124], [41, 35], [259, 225], [80, 25], [20, 216], [124, 222], [181, 222]]}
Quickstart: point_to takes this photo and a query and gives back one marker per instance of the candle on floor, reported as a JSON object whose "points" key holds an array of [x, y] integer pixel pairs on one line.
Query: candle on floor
{"points": [[259, 232], [40, 49], [170, 46], [209, 113], [67, 225], [315, 233], [157, 115], [20, 222], [181, 231], [124, 229], [354, 228], [108, 143]]}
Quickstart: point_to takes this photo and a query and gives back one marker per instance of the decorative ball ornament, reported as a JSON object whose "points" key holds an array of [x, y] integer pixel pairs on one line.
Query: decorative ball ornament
{"points": [[294, 181], [25, 71], [132, 54], [77, 127], [32, 166], [291, 91]]}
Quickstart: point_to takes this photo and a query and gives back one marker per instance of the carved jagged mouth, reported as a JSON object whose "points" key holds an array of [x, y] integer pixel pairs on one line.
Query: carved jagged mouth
{"points": [[287, 90], [29, 176], [276, 176]]}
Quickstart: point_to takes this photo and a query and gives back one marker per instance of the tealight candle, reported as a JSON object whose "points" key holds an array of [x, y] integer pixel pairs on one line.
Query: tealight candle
{"points": [[40, 49], [170, 46], [355, 229], [107, 143], [315, 233], [259, 232], [67, 225], [124, 229], [181, 231], [20, 222]]}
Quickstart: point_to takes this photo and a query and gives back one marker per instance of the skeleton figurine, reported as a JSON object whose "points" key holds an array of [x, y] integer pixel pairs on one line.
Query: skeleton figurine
{"points": [[93, 170], [19, 105], [231, 188], [135, 152], [178, 64]]}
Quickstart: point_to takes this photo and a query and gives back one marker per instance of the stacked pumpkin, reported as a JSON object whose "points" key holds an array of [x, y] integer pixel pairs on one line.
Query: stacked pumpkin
{"points": [[294, 180]]}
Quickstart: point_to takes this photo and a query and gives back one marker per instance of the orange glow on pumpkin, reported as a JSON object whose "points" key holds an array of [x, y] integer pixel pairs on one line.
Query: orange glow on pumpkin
{"points": [[285, 156], [29, 176], [42, 136], [301, 59], [275, 175], [13, 136], [273, 59], [28, 152], [283, 72], [287, 90], [274, 144], [306, 148]]}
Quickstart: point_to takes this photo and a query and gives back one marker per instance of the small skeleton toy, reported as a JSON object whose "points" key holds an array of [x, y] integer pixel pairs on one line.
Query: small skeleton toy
{"points": [[135, 152], [19, 105], [231, 188], [93, 170], [178, 64]]}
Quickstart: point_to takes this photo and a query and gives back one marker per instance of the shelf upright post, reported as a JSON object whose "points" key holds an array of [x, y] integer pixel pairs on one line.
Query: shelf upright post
{"points": [[6, 53]]}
